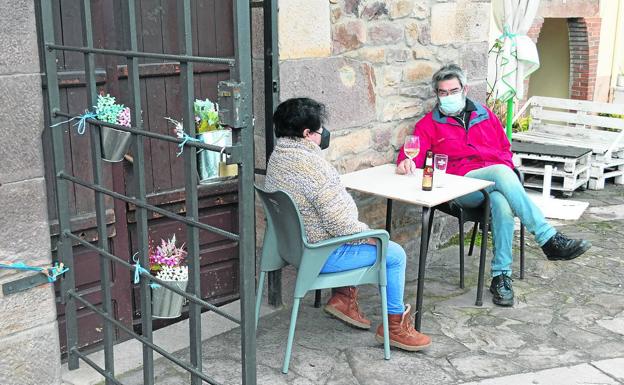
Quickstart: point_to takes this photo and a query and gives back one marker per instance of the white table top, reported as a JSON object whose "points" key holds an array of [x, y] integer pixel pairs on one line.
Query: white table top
{"points": [[385, 182]]}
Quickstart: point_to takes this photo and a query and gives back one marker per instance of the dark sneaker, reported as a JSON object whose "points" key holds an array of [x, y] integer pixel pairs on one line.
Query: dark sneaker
{"points": [[560, 247], [502, 291]]}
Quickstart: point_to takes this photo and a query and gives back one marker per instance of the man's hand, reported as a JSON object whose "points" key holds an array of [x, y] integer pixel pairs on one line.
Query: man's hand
{"points": [[406, 167]]}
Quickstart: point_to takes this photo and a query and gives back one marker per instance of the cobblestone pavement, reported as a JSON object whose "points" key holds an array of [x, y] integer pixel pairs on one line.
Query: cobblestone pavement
{"points": [[567, 326]]}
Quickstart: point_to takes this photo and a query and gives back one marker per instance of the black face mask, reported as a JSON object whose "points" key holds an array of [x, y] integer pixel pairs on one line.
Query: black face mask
{"points": [[324, 139]]}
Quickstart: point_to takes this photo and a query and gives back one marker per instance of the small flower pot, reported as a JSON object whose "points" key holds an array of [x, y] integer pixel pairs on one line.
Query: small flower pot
{"points": [[115, 144], [166, 303]]}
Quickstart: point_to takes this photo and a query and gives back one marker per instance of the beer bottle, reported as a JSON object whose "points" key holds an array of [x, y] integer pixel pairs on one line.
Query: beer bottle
{"points": [[427, 180]]}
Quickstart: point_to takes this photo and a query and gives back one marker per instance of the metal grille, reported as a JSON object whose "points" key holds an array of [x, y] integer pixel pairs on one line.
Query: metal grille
{"points": [[237, 94]]}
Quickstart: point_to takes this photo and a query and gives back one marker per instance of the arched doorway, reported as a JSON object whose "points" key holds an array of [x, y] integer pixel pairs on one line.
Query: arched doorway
{"points": [[553, 76]]}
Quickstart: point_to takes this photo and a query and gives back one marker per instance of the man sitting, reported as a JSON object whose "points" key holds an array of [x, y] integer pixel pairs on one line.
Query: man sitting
{"points": [[477, 147]]}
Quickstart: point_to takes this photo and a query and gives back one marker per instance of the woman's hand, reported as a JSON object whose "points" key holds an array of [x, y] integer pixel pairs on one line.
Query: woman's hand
{"points": [[406, 167]]}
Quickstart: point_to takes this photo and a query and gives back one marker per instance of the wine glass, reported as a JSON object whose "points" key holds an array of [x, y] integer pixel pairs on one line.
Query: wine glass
{"points": [[411, 148]]}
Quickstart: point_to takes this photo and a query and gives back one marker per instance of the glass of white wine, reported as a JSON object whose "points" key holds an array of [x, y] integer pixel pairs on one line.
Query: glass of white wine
{"points": [[411, 148]]}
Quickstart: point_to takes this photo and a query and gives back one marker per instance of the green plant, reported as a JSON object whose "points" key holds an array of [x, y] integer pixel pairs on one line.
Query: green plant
{"points": [[206, 115]]}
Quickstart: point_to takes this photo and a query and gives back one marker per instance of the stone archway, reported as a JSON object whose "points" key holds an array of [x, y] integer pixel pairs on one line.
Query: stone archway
{"points": [[584, 40], [584, 36]]}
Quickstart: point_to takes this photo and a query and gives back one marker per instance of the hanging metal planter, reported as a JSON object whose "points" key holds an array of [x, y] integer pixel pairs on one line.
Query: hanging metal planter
{"points": [[115, 144], [211, 164], [166, 303]]}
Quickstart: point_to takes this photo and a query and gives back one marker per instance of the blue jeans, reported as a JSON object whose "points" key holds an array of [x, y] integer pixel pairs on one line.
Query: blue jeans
{"points": [[507, 199], [349, 257]]}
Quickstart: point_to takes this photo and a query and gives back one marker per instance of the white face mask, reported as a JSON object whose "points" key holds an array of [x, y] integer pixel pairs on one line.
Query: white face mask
{"points": [[452, 104]]}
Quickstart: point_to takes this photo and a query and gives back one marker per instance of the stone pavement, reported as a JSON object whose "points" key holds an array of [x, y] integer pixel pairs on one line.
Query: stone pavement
{"points": [[567, 326]]}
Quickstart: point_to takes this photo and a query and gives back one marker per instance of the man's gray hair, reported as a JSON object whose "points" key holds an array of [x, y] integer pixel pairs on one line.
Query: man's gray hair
{"points": [[449, 71]]}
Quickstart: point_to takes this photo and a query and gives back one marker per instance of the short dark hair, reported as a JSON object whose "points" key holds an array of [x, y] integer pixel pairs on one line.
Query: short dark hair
{"points": [[295, 115], [449, 71]]}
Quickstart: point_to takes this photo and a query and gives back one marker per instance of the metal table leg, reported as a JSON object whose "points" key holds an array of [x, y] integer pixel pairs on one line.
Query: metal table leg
{"points": [[484, 233], [389, 216], [422, 259]]}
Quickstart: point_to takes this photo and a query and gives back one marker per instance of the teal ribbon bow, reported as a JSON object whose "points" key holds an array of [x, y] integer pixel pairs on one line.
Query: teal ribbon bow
{"points": [[186, 138], [138, 269], [81, 123], [52, 272]]}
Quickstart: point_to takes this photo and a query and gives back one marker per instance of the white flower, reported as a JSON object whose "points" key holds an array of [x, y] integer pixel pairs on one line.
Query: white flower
{"points": [[175, 273]]}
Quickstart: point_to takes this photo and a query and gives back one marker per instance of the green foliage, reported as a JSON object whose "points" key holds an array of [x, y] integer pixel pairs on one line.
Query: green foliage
{"points": [[206, 115], [107, 110]]}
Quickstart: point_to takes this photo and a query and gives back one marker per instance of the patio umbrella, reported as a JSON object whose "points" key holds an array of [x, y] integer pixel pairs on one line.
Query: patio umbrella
{"points": [[518, 57]]}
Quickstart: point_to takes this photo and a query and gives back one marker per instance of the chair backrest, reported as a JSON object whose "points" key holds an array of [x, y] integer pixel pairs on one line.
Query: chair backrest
{"points": [[284, 219]]}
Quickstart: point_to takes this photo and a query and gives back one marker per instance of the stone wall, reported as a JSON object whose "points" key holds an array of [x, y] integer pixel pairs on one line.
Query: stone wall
{"points": [[28, 328], [370, 62]]}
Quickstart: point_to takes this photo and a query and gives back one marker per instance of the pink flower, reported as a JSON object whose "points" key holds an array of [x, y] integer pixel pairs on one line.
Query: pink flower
{"points": [[123, 119], [166, 254]]}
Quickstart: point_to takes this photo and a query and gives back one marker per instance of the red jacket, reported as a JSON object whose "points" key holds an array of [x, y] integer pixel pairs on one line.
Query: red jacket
{"points": [[483, 144]]}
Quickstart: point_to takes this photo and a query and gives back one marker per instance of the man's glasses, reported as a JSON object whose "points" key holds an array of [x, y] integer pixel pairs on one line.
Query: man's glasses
{"points": [[454, 91]]}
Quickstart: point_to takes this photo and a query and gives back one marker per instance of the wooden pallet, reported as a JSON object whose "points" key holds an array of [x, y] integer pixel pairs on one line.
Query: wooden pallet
{"points": [[577, 124], [570, 165], [603, 169]]}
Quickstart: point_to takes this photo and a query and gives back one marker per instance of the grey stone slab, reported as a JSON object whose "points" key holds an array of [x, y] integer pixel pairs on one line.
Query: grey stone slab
{"points": [[18, 38], [614, 367], [27, 309], [21, 124], [31, 357], [576, 375], [346, 86], [25, 237], [471, 365]]}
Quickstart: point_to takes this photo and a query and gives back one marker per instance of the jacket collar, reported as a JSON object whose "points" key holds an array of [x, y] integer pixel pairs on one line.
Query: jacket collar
{"points": [[480, 114]]}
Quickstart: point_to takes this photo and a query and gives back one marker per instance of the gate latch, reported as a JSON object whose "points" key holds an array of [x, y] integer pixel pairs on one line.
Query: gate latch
{"points": [[230, 102]]}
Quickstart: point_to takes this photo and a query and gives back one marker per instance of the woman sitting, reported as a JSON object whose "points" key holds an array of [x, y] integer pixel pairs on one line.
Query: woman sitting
{"points": [[298, 168]]}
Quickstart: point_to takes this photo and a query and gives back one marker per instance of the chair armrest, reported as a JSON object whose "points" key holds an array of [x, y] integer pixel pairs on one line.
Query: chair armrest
{"points": [[382, 235]]}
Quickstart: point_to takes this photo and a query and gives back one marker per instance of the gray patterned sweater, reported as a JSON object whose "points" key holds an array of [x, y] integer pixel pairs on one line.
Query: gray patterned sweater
{"points": [[297, 167]]}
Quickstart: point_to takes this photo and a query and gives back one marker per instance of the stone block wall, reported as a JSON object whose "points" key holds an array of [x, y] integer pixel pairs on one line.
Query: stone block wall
{"points": [[370, 62], [28, 329]]}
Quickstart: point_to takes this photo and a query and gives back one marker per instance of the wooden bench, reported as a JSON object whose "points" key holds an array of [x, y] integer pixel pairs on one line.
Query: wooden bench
{"points": [[577, 123]]}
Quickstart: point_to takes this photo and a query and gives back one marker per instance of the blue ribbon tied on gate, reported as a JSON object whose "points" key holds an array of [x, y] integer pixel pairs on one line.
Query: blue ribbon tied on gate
{"points": [[51, 272], [186, 138], [138, 269], [81, 123]]}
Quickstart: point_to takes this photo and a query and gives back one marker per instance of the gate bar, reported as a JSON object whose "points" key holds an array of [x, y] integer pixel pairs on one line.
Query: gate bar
{"points": [[246, 211], [147, 343], [64, 247], [185, 34], [271, 87], [139, 191], [133, 53], [108, 376], [175, 289], [100, 208], [150, 207], [229, 150]]}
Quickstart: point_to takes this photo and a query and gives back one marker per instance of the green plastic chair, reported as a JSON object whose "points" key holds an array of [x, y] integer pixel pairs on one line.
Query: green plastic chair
{"points": [[285, 243]]}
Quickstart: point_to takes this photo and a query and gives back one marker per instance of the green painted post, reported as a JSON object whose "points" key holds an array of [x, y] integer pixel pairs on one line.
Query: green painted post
{"points": [[510, 104]]}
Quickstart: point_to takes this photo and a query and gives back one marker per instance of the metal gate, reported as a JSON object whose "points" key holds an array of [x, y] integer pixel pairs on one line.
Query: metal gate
{"points": [[235, 100]]}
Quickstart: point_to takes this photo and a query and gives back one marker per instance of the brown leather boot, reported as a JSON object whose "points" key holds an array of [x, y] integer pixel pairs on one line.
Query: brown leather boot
{"points": [[344, 306], [402, 332]]}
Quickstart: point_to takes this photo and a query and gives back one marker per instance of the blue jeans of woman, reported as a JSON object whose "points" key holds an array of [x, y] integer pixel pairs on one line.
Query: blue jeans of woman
{"points": [[507, 200], [349, 257]]}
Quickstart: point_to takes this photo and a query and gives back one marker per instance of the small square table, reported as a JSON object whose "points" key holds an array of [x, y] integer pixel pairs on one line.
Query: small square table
{"points": [[383, 181]]}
